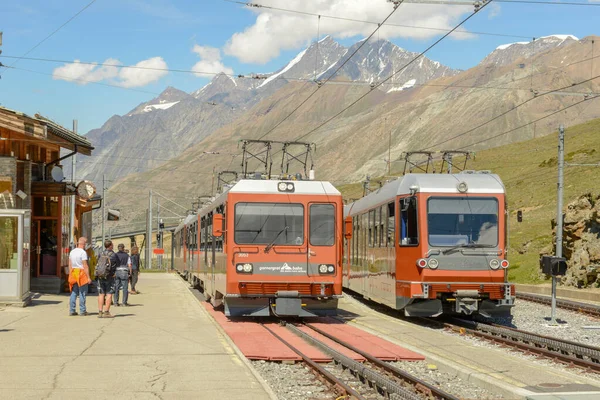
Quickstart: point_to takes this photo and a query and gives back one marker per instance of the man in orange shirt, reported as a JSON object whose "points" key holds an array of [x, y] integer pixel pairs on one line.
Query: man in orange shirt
{"points": [[79, 277]]}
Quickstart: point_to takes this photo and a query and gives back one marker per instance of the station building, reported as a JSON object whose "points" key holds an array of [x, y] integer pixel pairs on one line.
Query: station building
{"points": [[41, 212]]}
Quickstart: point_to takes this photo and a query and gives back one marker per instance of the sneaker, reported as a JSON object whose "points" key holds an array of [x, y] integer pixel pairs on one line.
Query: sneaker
{"points": [[107, 314], [117, 305], [100, 314], [72, 313], [126, 304], [83, 314]]}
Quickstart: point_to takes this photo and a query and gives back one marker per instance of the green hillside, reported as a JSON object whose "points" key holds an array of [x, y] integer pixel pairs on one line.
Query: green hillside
{"points": [[529, 171]]}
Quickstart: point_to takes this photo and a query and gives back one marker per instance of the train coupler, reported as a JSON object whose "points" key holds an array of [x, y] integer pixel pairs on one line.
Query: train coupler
{"points": [[467, 301]]}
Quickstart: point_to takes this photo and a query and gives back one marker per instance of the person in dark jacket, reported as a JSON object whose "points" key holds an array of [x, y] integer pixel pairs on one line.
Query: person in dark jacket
{"points": [[106, 286], [135, 268], [122, 275]]}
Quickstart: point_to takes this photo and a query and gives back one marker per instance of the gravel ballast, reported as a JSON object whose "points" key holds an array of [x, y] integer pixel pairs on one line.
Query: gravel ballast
{"points": [[535, 318]]}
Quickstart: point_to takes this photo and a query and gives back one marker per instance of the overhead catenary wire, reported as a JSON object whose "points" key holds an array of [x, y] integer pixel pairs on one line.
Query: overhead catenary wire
{"points": [[364, 42], [51, 34], [394, 73], [508, 111]]}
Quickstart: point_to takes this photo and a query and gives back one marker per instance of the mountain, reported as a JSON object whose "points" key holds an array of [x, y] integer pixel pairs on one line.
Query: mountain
{"points": [[160, 129], [473, 109], [509, 53]]}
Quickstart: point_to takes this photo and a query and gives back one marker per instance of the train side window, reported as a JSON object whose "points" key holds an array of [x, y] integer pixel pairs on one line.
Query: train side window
{"points": [[391, 225], [409, 232], [355, 238], [382, 223], [371, 228]]}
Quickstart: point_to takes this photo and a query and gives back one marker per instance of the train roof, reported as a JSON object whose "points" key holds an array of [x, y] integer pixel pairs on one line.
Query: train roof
{"points": [[477, 183], [272, 187]]}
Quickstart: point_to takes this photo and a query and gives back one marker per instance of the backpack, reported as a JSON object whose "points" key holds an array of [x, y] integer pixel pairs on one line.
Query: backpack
{"points": [[103, 266]]}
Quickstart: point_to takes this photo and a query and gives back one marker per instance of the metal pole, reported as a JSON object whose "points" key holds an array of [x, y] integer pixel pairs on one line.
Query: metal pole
{"points": [[72, 238], [158, 242], [559, 217], [449, 163], [103, 208], [149, 233], [389, 152]]}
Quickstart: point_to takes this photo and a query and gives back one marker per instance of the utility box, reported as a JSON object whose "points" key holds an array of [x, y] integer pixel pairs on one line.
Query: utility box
{"points": [[554, 266]]}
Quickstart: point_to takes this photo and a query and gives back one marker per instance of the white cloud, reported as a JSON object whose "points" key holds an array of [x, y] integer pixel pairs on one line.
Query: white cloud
{"points": [[275, 31], [83, 74], [210, 61], [494, 10], [133, 77]]}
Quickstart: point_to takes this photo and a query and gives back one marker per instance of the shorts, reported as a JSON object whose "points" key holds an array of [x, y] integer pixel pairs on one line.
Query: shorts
{"points": [[106, 286]]}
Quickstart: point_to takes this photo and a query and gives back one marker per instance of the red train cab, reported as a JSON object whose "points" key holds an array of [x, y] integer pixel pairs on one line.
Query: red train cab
{"points": [[267, 247], [432, 243]]}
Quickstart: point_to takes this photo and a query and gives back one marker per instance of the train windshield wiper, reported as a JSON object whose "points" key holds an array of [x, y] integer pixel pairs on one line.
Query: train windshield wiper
{"points": [[467, 246], [270, 245]]}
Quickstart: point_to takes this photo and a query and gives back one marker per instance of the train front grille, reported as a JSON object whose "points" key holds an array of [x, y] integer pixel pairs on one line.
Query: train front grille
{"points": [[494, 291], [271, 288]]}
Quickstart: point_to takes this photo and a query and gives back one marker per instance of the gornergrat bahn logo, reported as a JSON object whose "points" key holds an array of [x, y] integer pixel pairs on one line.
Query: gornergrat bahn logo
{"points": [[284, 269]]}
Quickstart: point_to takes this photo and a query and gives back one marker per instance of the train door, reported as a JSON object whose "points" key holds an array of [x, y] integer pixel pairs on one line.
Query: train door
{"points": [[409, 250], [322, 238]]}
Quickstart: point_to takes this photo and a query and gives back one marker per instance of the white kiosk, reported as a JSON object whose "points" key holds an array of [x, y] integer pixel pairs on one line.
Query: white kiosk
{"points": [[15, 230]]}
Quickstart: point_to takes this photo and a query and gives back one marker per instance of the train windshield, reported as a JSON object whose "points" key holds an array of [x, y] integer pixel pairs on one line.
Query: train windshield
{"points": [[454, 221], [265, 223]]}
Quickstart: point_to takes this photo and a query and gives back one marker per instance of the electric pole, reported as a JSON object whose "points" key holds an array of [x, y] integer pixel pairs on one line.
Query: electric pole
{"points": [[559, 217], [158, 233], [73, 241], [149, 233], [103, 207]]}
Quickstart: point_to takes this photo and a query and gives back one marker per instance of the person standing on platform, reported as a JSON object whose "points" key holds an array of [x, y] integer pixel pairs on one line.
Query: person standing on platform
{"points": [[79, 277], [135, 268], [106, 282], [122, 275]]}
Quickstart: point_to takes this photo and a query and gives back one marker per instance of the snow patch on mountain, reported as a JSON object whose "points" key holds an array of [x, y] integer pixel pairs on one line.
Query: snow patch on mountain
{"points": [[295, 61], [161, 106], [407, 85]]}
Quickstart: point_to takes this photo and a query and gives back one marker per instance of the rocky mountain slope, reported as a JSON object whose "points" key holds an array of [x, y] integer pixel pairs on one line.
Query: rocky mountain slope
{"points": [[445, 113], [162, 128]]}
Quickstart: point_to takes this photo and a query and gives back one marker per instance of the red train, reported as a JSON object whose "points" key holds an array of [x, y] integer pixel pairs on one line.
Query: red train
{"points": [[266, 247], [430, 244]]}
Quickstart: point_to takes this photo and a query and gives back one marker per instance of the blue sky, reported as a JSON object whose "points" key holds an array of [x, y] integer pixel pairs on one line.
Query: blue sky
{"points": [[132, 31]]}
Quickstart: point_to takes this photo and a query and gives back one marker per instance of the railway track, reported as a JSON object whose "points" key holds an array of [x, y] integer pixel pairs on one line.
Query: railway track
{"points": [[380, 377], [564, 351], [583, 308]]}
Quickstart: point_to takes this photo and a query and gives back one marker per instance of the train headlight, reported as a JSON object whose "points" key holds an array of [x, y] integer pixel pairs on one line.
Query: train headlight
{"points": [[239, 267], [330, 269], [322, 269], [504, 264], [247, 267], [421, 263], [462, 187], [494, 264], [433, 263]]}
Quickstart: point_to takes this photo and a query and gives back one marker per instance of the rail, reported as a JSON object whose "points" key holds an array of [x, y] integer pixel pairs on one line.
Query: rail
{"points": [[572, 353], [584, 308]]}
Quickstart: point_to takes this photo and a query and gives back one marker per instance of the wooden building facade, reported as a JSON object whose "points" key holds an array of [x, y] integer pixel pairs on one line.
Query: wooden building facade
{"points": [[31, 179]]}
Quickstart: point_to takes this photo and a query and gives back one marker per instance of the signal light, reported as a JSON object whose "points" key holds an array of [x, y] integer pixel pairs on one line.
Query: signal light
{"points": [[504, 264], [519, 216], [422, 263]]}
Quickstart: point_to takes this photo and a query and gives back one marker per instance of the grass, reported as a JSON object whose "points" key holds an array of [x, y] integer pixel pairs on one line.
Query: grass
{"points": [[529, 172]]}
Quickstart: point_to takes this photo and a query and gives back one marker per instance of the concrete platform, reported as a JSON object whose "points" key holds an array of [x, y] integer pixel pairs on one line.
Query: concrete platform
{"points": [[492, 368], [588, 295], [165, 346]]}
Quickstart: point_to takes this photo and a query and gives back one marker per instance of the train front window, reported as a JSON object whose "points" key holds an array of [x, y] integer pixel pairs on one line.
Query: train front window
{"points": [[266, 223], [455, 221]]}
